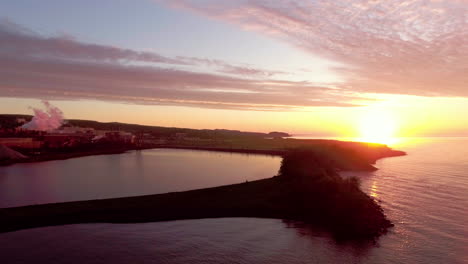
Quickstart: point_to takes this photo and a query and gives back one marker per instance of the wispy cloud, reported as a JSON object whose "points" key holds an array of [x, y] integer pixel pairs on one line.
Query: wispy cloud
{"points": [[62, 68], [17, 41], [224, 67], [417, 47]]}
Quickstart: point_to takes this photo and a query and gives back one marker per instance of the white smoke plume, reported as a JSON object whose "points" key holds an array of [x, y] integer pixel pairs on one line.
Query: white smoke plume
{"points": [[44, 120]]}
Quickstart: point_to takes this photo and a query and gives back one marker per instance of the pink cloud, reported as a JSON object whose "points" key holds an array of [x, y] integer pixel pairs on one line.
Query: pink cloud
{"points": [[35, 66], [414, 47], [17, 41], [58, 79]]}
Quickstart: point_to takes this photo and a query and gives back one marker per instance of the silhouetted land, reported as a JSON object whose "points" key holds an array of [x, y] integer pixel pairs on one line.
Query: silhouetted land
{"points": [[306, 189], [66, 154], [347, 155], [8, 121]]}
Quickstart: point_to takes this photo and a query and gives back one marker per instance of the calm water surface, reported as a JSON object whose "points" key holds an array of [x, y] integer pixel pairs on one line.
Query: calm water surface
{"points": [[128, 174], [425, 194]]}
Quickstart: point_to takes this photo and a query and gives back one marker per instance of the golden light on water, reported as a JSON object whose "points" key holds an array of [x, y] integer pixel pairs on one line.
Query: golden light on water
{"points": [[378, 126], [373, 190]]}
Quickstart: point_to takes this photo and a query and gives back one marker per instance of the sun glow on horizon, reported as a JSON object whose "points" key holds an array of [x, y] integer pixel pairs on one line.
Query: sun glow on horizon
{"points": [[378, 126]]}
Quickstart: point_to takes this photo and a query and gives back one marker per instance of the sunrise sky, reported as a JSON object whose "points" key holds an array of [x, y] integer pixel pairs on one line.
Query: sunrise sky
{"points": [[327, 68]]}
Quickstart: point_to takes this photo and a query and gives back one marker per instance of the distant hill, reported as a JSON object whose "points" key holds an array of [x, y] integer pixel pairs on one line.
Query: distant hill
{"points": [[278, 134], [9, 121]]}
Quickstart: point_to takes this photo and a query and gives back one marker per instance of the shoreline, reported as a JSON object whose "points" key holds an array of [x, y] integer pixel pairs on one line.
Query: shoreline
{"points": [[71, 155], [344, 210], [388, 152]]}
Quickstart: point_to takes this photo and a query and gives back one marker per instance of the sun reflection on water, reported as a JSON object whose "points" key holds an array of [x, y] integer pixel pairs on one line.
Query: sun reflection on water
{"points": [[373, 191]]}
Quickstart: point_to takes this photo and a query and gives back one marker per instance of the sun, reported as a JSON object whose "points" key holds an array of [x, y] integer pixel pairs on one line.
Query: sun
{"points": [[377, 126]]}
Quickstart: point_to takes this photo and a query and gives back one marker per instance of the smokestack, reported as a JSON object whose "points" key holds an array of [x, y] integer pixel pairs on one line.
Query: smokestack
{"points": [[51, 118]]}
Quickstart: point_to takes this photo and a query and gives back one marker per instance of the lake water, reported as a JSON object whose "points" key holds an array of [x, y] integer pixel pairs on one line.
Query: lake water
{"points": [[425, 194], [129, 174]]}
